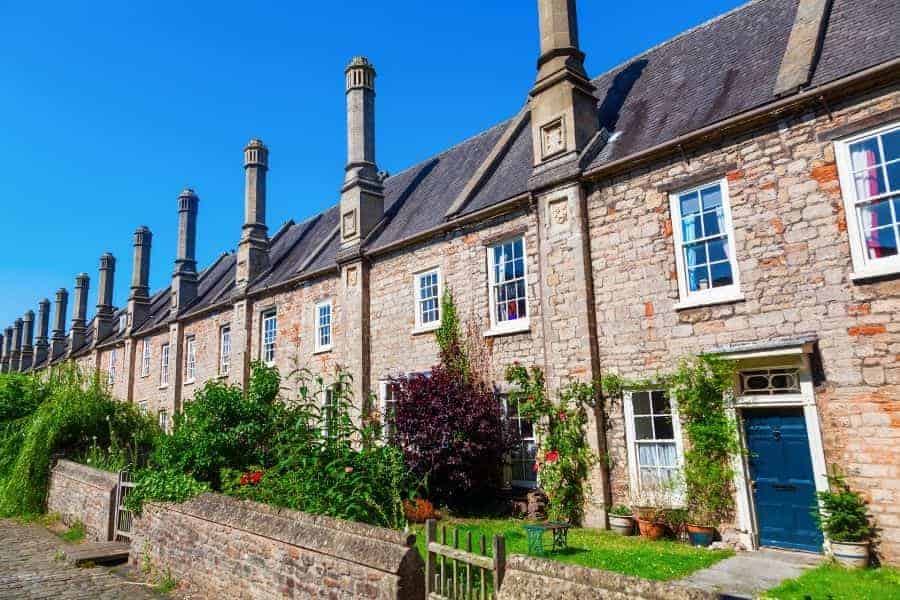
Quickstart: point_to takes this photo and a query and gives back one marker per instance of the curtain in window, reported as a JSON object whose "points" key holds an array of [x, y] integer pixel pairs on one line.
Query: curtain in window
{"points": [[868, 184]]}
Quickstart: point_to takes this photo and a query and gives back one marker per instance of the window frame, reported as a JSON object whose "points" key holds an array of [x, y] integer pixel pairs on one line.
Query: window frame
{"points": [[190, 359], [165, 351], [420, 326], [713, 295], [317, 332], [863, 267], [631, 441], [263, 317], [224, 350], [521, 440], [162, 416], [388, 428], [111, 370], [515, 325], [146, 357]]}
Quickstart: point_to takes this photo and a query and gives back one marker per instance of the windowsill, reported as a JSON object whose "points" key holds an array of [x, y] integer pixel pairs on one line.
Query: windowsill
{"points": [[711, 300], [163, 387], [875, 272], [222, 376], [322, 350], [430, 327], [189, 382], [510, 327]]}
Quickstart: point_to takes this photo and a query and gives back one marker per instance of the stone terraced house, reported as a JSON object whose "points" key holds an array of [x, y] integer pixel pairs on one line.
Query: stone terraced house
{"points": [[735, 189]]}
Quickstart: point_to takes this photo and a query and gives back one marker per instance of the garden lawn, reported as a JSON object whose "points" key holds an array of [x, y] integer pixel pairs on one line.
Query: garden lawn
{"points": [[832, 582], [598, 549]]}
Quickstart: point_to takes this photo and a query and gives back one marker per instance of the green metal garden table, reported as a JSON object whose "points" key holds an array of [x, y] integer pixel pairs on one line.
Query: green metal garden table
{"points": [[560, 532]]}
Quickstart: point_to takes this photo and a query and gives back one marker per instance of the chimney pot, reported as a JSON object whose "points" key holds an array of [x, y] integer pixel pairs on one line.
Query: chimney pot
{"points": [[253, 249]]}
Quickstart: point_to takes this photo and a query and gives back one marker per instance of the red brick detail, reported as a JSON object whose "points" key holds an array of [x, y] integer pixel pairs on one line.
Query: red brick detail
{"points": [[777, 225], [667, 228], [825, 174], [862, 308], [735, 175], [648, 309], [772, 261], [866, 330]]}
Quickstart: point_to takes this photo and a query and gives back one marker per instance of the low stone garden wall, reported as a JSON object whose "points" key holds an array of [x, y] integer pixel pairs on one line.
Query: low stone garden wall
{"points": [[81, 493], [530, 578], [220, 547]]}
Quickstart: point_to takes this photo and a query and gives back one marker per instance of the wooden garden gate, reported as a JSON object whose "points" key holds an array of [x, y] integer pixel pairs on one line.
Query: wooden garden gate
{"points": [[462, 573]]}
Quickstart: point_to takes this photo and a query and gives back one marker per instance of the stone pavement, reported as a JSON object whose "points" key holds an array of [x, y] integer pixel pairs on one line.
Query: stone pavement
{"points": [[29, 569], [749, 574]]}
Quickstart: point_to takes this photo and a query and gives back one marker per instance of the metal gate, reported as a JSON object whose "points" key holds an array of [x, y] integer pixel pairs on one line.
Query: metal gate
{"points": [[123, 515]]}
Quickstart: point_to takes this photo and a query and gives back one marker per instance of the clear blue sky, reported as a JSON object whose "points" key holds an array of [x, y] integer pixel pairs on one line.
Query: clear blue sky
{"points": [[110, 108]]}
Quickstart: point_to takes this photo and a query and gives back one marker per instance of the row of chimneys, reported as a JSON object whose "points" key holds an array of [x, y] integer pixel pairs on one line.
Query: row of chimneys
{"points": [[561, 92], [20, 350]]}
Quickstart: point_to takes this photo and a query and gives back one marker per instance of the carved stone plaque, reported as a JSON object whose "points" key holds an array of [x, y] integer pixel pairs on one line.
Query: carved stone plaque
{"points": [[349, 224], [553, 138]]}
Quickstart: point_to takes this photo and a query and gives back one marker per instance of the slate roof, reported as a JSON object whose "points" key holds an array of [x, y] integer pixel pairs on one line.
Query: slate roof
{"points": [[717, 70]]}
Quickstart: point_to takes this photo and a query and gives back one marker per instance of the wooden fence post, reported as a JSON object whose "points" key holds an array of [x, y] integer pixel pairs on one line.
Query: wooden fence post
{"points": [[430, 536], [499, 562]]}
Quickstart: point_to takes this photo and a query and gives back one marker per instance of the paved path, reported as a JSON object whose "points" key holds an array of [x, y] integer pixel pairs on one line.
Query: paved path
{"points": [[749, 574], [29, 570]]}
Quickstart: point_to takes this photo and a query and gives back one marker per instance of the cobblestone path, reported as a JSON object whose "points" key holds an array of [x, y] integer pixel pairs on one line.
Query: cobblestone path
{"points": [[29, 570]]}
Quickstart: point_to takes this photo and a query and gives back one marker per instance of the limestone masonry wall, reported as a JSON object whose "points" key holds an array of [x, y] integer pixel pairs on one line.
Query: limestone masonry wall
{"points": [[794, 260], [81, 493], [530, 578], [219, 547]]}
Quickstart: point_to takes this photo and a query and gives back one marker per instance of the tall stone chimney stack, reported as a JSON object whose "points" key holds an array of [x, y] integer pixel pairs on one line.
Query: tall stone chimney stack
{"points": [[362, 196], [27, 354], [16, 351], [7, 350], [42, 343], [563, 108], [58, 337], [184, 279], [253, 250], [103, 320], [139, 297], [79, 312]]}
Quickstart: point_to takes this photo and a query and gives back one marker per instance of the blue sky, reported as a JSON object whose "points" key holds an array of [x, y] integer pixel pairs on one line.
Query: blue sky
{"points": [[109, 109]]}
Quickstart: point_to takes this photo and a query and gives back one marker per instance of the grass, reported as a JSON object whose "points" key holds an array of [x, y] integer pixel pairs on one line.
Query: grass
{"points": [[75, 533], [166, 583], [833, 582], [660, 560]]}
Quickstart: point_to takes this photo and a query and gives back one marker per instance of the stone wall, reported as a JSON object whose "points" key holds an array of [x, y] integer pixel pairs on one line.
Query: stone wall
{"points": [[220, 547], [80, 493], [530, 578], [795, 269]]}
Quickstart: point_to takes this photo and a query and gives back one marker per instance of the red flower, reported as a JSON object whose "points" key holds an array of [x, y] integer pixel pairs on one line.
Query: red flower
{"points": [[552, 456], [562, 416], [348, 469], [251, 478], [536, 467]]}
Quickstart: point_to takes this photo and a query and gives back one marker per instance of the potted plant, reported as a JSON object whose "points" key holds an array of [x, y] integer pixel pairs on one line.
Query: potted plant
{"points": [[844, 519], [649, 509], [621, 520], [700, 528]]}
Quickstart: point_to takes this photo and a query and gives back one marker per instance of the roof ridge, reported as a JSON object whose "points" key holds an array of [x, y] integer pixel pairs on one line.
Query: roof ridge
{"points": [[684, 33]]}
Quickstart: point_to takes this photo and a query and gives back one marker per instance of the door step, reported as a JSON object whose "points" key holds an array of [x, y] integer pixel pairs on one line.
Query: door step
{"points": [[98, 553]]}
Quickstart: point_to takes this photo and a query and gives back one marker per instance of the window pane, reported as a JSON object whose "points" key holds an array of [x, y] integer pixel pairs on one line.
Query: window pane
{"points": [[881, 243], [647, 455], [893, 170], [643, 429], [661, 403], [713, 222], [641, 403], [712, 197], [721, 274], [891, 143], [663, 428], [718, 249], [695, 254], [690, 204], [698, 279], [668, 455], [869, 183], [865, 153], [875, 214], [690, 227]]}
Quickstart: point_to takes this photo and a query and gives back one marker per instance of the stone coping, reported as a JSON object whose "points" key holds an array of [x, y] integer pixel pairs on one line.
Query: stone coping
{"points": [[375, 547], [103, 480], [529, 577]]}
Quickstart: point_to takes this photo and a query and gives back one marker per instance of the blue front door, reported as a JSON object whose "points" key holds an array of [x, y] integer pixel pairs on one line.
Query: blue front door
{"points": [[784, 491]]}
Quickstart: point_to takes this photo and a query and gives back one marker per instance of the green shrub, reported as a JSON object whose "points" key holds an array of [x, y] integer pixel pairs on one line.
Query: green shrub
{"points": [[844, 516], [166, 485], [74, 414]]}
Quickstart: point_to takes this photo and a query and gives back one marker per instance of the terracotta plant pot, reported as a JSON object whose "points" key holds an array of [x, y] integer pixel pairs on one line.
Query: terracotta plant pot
{"points": [[854, 555], [651, 529], [701, 535], [623, 525]]}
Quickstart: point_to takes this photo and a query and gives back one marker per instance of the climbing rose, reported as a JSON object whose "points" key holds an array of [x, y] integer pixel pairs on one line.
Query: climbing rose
{"points": [[348, 469], [552, 456]]}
